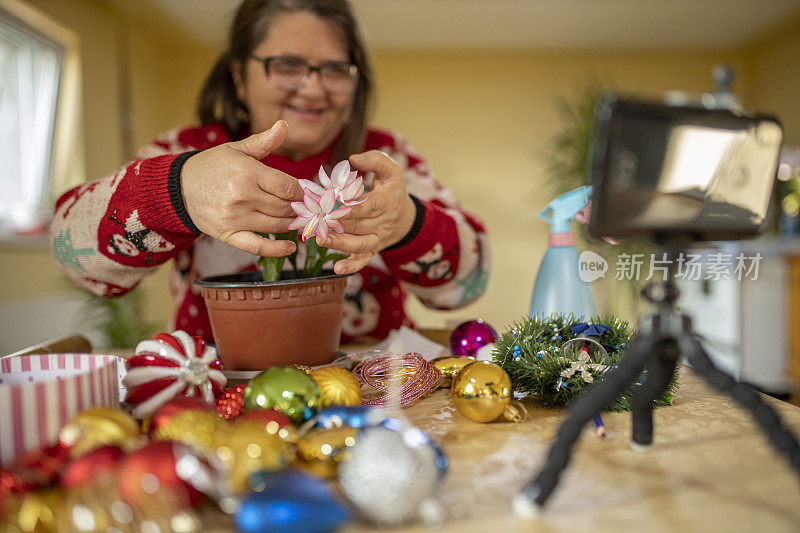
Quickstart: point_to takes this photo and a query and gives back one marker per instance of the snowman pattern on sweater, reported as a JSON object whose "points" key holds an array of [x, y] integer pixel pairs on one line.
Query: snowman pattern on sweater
{"points": [[133, 238]]}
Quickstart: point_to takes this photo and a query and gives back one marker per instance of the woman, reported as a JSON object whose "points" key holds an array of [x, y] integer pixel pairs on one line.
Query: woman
{"points": [[289, 95]]}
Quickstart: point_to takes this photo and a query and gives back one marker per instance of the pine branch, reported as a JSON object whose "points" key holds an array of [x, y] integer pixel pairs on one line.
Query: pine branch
{"points": [[532, 352]]}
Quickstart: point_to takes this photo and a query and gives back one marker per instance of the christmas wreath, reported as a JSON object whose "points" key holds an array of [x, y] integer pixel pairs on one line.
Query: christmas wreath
{"points": [[555, 359]]}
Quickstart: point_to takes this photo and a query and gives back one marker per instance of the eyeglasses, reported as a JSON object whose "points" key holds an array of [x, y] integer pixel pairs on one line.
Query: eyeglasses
{"points": [[291, 73]]}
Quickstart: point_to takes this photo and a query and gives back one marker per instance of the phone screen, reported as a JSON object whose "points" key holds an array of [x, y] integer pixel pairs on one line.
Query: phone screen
{"points": [[663, 172]]}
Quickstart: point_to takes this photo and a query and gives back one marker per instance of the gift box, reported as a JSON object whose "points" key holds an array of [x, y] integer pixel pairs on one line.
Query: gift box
{"points": [[39, 394]]}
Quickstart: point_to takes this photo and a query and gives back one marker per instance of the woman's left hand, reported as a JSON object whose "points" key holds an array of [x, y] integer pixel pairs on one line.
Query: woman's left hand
{"points": [[383, 219]]}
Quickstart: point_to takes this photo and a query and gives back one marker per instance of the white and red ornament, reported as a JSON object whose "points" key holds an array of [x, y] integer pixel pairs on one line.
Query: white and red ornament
{"points": [[168, 365]]}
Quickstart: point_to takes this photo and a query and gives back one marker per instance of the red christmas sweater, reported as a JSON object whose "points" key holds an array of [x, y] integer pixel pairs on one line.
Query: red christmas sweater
{"points": [[108, 234]]}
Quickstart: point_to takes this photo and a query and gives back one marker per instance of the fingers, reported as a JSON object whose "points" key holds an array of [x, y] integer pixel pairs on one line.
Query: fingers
{"points": [[378, 162], [272, 207], [377, 204], [352, 244], [358, 224], [277, 183], [262, 223], [258, 245], [276, 211], [260, 145], [351, 264], [367, 209]]}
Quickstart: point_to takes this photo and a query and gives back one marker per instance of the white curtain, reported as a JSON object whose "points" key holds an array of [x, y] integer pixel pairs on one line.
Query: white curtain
{"points": [[29, 75]]}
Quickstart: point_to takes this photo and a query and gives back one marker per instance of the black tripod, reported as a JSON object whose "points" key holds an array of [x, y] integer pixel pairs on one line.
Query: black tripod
{"points": [[663, 336]]}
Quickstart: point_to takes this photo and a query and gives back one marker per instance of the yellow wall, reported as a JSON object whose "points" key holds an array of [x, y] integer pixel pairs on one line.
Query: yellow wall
{"points": [[482, 119], [774, 59], [166, 75]]}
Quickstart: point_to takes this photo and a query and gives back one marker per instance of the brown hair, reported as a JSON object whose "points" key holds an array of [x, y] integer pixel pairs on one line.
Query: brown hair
{"points": [[218, 101]]}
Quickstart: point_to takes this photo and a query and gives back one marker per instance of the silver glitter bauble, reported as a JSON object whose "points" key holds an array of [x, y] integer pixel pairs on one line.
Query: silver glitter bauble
{"points": [[390, 473]]}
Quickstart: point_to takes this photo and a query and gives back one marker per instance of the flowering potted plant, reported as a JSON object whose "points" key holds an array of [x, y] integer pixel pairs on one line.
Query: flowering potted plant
{"points": [[278, 316]]}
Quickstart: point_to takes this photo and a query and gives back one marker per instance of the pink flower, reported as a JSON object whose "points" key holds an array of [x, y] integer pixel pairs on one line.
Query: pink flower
{"points": [[316, 214], [346, 185]]}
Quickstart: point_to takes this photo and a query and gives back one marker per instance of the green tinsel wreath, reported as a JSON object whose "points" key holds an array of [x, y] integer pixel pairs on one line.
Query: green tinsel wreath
{"points": [[530, 351]]}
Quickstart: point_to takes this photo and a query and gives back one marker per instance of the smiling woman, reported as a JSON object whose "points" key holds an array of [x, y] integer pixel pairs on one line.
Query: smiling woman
{"points": [[286, 101], [275, 86], [268, 74]]}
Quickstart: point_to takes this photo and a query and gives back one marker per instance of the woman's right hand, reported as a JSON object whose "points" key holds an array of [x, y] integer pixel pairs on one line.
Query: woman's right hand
{"points": [[229, 194]]}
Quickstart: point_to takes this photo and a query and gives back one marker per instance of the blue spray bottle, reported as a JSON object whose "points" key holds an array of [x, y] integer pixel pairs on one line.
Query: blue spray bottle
{"points": [[558, 288]]}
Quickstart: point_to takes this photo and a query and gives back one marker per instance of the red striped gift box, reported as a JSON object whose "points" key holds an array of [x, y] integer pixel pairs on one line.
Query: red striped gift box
{"points": [[39, 394]]}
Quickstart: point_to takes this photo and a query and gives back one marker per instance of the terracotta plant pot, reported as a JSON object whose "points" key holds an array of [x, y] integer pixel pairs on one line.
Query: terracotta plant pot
{"points": [[258, 324]]}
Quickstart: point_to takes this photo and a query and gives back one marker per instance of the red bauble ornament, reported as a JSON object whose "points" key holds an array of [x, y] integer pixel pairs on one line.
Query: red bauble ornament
{"points": [[175, 406], [157, 468], [170, 365], [33, 470], [265, 416], [86, 467], [14, 483], [230, 403]]}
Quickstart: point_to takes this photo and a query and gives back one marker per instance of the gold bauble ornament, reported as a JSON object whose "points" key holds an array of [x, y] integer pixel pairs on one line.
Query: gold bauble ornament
{"points": [[196, 428], [450, 366], [100, 426], [247, 447], [88, 508], [322, 450], [273, 427], [35, 511], [337, 386], [481, 391]]}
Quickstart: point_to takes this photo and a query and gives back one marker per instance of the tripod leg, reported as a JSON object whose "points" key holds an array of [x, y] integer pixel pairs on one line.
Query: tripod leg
{"points": [[764, 415], [660, 370], [581, 412]]}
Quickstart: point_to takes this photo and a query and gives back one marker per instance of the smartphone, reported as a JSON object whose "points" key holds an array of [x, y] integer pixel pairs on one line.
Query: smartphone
{"points": [[662, 172]]}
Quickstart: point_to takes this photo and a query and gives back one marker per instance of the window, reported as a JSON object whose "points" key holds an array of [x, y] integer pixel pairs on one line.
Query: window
{"points": [[29, 74], [39, 109]]}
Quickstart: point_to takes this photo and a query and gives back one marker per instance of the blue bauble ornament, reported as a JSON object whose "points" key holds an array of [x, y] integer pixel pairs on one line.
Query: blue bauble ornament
{"points": [[290, 502], [341, 416]]}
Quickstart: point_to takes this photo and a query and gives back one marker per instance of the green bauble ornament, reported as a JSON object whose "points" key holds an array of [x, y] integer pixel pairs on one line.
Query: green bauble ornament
{"points": [[285, 388]]}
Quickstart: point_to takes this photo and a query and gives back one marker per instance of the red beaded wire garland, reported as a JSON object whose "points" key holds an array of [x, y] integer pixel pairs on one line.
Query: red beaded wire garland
{"points": [[385, 371]]}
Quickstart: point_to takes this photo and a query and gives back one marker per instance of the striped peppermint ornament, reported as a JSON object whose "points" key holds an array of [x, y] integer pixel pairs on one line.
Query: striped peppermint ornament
{"points": [[168, 365]]}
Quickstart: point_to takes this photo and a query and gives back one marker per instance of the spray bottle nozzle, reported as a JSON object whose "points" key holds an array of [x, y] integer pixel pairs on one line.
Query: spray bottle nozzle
{"points": [[563, 209]]}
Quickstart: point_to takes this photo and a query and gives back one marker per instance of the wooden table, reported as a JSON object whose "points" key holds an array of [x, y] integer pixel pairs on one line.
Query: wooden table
{"points": [[709, 470]]}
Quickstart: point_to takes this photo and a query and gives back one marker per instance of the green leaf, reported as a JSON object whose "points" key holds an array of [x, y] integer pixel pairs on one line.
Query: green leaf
{"points": [[315, 269], [313, 250], [316, 258], [120, 320], [336, 257], [272, 267], [287, 236]]}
